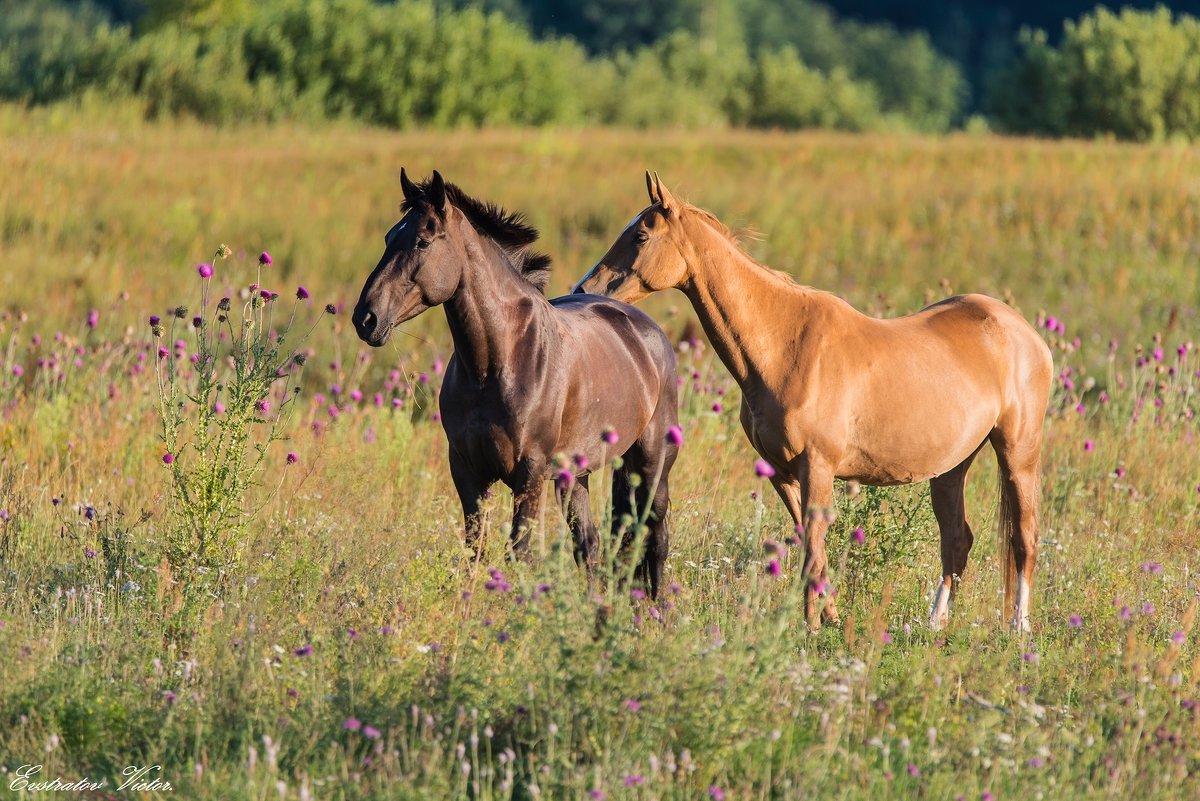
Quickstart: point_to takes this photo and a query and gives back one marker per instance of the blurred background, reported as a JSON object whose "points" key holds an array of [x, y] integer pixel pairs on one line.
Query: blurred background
{"points": [[1055, 67]]}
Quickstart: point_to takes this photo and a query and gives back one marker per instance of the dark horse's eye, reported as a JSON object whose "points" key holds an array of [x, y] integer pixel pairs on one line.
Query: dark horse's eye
{"points": [[641, 236], [422, 244]]}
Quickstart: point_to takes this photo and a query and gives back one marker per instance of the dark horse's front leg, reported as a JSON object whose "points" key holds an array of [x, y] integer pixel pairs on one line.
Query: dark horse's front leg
{"points": [[527, 500], [577, 508], [472, 489]]}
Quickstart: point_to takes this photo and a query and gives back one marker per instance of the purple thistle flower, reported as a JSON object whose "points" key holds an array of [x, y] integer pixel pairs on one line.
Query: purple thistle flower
{"points": [[763, 469], [675, 435], [502, 637], [1178, 638], [89, 512], [1158, 354], [1152, 567], [219, 408], [162, 353], [1088, 445], [913, 770], [858, 535], [264, 259], [205, 270], [1125, 614], [1035, 762], [596, 794], [370, 732], [292, 692], [1075, 621], [581, 461], [385, 630], [716, 407], [168, 458], [1147, 608], [887, 638], [197, 322], [169, 696], [564, 479], [631, 704], [609, 436], [716, 793], [90, 553], [18, 370], [292, 458], [352, 724], [773, 568], [154, 320], [634, 779], [304, 650], [302, 293], [262, 406], [636, 594]]}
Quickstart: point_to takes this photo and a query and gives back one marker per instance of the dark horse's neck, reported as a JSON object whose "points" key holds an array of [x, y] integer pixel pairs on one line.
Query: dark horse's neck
{"points": [[491, 313]]}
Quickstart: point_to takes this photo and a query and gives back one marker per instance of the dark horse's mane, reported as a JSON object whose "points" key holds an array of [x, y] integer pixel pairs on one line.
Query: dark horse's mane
{"points": [[507, 229]]}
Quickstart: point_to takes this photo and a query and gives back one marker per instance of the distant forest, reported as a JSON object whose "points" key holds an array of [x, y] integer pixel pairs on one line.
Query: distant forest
{"points": [[1056, 67]]}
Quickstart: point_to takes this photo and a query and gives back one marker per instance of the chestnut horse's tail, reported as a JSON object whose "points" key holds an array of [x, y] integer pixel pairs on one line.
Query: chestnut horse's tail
{"points": [[1008, 529]]}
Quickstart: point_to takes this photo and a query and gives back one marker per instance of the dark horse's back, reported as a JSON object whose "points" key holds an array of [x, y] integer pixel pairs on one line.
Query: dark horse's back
{"points": [[622, 370]]}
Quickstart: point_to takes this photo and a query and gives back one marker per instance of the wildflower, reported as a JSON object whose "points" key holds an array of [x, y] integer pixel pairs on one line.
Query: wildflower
{"points": [[1178, 637], [886, 638], [223, 304], [1119, 472], [266, 294], [218, 408], [262, 406], [564, 479], [154, 320], [168, 458], [1051, 324], [763, 469], [595, 794], [1075, 621], [370, 732], [205, 270], [636, 594], [264, 259], [292, 692], [609, 436], [292, 458], [1125, 614], [1152, 567], [1035, 762], [1088, 445], [986, 795], [90, 553], [716, 407], [18, 370], [716, 793], [913, 770], [197, 322], [773, 568], [302, 293], [303, 650], [1147, 608], [89, 512], [386, 630], [631, 704], [581, 461], [634, 779], [169, 696], [93, 318], [162, 352], [330, 308], [503, 637], [352, 724], [1158, 354], [675, 435], [858, 535], [1031, 657]]}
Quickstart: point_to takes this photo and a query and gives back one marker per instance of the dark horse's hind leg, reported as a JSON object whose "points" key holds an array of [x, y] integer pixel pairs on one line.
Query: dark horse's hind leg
{"points": [[652, 462], [579, 518]]}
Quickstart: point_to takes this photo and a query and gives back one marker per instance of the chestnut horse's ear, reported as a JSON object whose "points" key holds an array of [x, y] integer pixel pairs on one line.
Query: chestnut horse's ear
{"points": [[411, 192], [650, 188], [437, 192], [665, 198]]}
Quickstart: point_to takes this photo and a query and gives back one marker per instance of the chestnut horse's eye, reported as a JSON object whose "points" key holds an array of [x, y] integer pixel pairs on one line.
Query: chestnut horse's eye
{"points": [[641, 237]]}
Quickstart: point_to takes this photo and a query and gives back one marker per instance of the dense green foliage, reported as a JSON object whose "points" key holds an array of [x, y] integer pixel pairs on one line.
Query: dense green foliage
{"points": [[422, 63], [1135, 75]]}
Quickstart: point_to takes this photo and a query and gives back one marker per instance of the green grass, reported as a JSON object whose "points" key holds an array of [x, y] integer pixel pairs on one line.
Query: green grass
{"points": [[478, 694]]}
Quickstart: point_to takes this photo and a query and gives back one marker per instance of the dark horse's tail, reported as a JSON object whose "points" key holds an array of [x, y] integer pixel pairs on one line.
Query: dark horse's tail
{"points": [[1008, 530]]}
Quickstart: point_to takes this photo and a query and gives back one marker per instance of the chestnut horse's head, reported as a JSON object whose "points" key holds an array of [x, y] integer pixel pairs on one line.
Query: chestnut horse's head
{"points": [[647, 256], [420, 268]]}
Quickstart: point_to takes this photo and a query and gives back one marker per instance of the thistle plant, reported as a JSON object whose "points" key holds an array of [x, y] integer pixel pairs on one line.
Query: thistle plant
{"points": [[222, 407]]}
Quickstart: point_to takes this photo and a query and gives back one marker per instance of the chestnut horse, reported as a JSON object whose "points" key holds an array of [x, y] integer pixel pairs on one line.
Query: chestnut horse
{"points": [[536, 387], [828, 392]]}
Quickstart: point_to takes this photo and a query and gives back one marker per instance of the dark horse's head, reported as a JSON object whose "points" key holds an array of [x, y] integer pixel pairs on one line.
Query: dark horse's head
{"points": [[426, 253]]}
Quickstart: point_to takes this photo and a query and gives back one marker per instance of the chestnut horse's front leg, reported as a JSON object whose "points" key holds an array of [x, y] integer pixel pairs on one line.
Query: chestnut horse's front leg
{"points": [[807, 491]]}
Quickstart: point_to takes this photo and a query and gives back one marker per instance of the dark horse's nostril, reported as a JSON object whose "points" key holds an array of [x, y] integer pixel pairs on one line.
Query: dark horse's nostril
{"points": [[366, 322]]}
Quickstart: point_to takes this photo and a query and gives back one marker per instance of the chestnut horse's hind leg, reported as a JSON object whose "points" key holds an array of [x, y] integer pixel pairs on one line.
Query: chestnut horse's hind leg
{"points": [[946, 492], [1019, 459], [579, 517], [471, 492]]}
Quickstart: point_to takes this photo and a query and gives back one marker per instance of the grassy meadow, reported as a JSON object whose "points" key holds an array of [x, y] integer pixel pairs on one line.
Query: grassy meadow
{"points": [[351, 649]]}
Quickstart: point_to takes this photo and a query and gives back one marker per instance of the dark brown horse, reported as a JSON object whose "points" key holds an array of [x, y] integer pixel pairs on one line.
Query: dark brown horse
{"points": [[535, 387]]}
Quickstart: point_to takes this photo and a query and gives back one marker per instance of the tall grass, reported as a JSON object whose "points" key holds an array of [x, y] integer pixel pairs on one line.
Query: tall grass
{"points": [[358, 651]]}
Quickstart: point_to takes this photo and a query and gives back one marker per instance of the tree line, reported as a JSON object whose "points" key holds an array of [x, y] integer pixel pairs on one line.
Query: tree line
{"points": [[645, 63]]}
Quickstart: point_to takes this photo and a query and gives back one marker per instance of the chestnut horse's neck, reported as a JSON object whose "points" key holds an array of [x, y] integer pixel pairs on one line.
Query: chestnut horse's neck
{"points": [[741, 304], [489, 314]]}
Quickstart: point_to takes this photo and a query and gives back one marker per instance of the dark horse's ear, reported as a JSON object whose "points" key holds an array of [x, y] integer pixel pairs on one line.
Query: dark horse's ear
{"points": [[650, 188], [437, 192], [411, 193]]}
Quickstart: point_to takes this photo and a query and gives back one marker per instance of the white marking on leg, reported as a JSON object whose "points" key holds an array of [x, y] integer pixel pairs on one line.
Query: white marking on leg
{"points": [[939, 614], [1020, 620]]}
